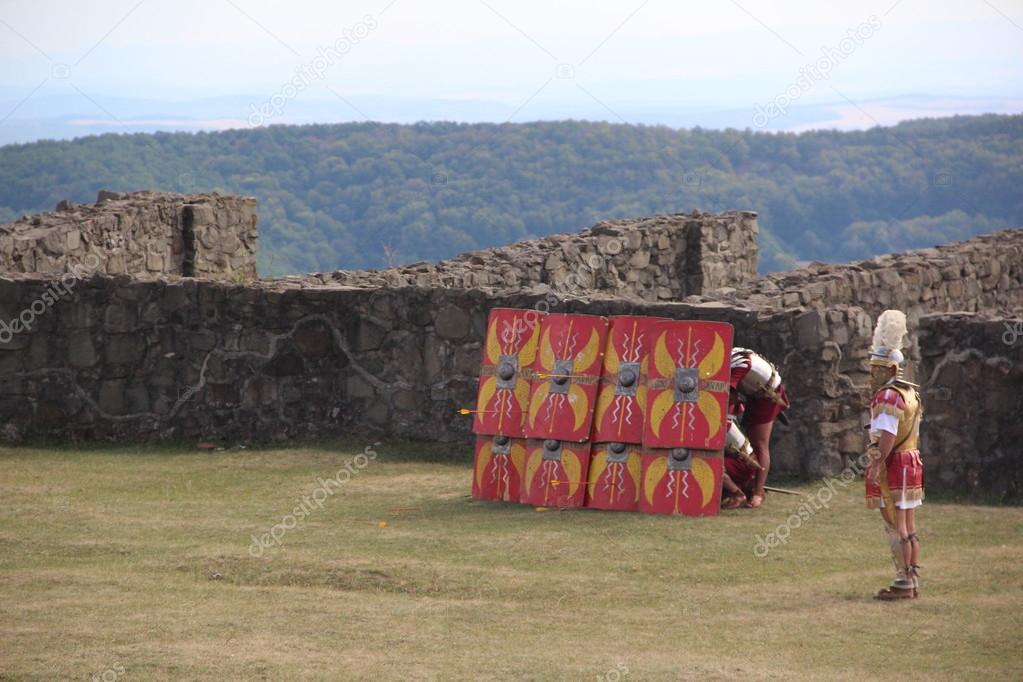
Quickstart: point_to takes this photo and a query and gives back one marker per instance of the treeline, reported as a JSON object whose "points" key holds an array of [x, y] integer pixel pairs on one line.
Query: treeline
{"points": [[369, 195]]}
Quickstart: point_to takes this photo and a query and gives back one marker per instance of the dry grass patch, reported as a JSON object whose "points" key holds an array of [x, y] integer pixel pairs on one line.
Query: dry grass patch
{"points": [[140, 558]]}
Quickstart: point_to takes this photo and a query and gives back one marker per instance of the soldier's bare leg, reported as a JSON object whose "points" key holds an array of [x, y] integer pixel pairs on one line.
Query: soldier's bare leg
{"points": [[914, 549], [760, 438]]}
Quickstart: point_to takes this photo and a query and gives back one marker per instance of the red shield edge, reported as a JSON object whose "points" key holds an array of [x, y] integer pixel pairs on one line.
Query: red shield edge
{"points": [[690, 488], [556, 473], [621, 397], [498, 469], [565, 376], [614, 478], [510, 346], [687, 385]]}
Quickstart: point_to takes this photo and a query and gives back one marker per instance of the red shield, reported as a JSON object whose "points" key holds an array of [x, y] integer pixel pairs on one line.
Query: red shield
{"points": [[565, 375], [687, 385], [621, 400], [497, 471], [556, 473], [681, 481], [614, 477], [508, 350]]}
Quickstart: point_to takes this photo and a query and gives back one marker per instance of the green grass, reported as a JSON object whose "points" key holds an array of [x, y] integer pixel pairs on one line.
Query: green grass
{"points": [[136, 562]]}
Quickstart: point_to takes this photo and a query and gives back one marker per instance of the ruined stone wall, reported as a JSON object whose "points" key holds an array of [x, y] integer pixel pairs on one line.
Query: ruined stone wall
{"points": [[127, 359], [660, 258], [972, 434], [985, 273], [140, 234]]}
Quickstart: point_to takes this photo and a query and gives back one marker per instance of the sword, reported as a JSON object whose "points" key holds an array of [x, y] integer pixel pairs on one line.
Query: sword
{"points": [[783, 491]]}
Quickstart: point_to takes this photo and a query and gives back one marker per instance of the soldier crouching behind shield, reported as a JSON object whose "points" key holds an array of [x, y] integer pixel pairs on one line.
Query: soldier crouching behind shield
{"points": [[758, 398], [894, 477]]}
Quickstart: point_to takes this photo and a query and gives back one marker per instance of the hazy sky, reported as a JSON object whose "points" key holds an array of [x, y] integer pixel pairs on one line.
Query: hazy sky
{"points": [[535, 58]]}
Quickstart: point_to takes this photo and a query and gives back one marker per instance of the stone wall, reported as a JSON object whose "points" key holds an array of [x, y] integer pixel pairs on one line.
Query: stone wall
{"points": [[138, 233], [660, 258], [843, 302], [972, 372], [126, 359]]}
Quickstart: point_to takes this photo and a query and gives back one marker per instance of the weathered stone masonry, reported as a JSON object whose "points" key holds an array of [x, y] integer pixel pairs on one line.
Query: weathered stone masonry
{"points": [[398, 350], [660, 258], [138, 233]]}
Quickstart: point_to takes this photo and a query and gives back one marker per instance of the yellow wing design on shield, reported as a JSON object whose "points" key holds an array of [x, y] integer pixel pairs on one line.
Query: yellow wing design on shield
{"points": [[662, 403], [482, 460], [521, 392], [493, 343], [573, 469], [662, 358], [604, 400], [711, 410], [713, 360], [528, 352], [597, 466], [590, 352], [580, 404], [654, 473], [486, 393], [611, 362], [633, 463], [518, 458], [539, 396], [704, 476], [533, 460], [546, 352]]}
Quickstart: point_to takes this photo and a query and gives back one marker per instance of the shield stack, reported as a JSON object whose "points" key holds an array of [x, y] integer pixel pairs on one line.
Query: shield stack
{"points": [[503, 394], [684, 428], [566, 371], [626, 413], [614, 477]]}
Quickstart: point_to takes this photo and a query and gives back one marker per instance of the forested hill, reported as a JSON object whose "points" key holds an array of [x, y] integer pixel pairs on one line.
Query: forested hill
{"points": [[368, 194]]}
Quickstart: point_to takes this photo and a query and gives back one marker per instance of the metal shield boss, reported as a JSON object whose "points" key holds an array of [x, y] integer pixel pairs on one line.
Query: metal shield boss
{"points": [[555, 473], [498, 468], [508, 351], [614, 477], [681, 481], [687, 385], [565, 374], [621, 398]]}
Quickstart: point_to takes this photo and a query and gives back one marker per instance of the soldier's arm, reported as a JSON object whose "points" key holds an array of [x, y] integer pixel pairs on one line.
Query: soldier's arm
{"points": [[885, 444]]}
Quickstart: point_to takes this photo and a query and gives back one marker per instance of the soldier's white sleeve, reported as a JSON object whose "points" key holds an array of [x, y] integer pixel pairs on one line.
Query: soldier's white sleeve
{"points": [[885, 422]]}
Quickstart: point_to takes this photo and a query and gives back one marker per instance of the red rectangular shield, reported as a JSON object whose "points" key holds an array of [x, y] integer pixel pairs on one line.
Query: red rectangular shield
{"points": [[614, 476], [621, 400], [508, 351], [565, 375], [498, 468], [556, 473], [681, 481], [687, 385]]}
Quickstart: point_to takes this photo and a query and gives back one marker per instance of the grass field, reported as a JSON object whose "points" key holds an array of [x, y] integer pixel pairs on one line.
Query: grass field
{"points": [[139, 563]]}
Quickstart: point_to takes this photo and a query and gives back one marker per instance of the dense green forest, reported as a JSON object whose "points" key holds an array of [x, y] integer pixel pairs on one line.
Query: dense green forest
{"points": [[369, 194]]}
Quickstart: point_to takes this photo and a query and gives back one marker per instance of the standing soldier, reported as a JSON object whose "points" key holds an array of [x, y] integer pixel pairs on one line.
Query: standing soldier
{"points": [[894, 477], [758, 397]]}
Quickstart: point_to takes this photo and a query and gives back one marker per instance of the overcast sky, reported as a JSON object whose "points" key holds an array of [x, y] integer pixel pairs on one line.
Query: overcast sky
{"points": [[537, 59]]}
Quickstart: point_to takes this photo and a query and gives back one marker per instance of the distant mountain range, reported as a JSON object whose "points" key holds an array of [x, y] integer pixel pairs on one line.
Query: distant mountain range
{"points": [[58, 117]]}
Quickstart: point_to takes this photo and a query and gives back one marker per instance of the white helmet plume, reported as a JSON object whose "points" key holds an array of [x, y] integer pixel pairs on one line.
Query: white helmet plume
{"points": [[888, 334]]}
